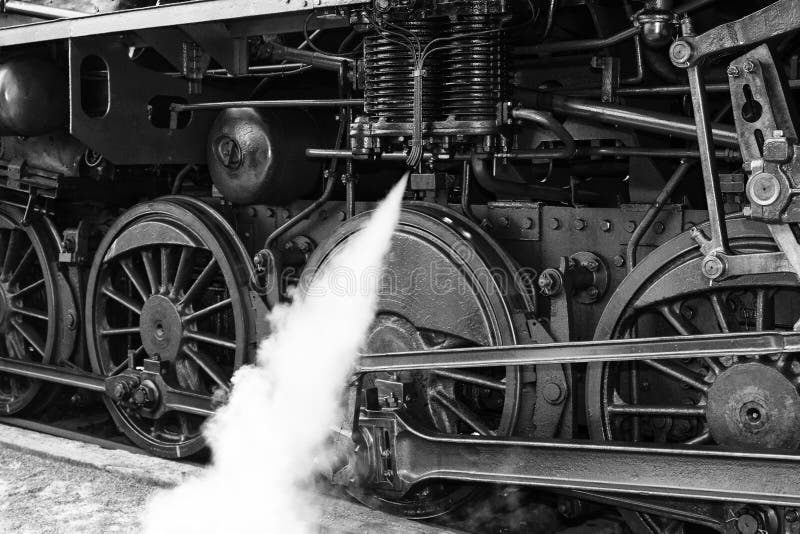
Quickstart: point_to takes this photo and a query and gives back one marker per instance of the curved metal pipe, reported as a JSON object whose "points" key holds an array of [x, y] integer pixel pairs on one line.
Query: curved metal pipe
{"points": [[654, 210], [580, 45], [547, 120], [311, 208], [466, 207]]}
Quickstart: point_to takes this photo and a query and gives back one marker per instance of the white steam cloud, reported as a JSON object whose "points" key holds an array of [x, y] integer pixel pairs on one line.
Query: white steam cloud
{"points": [[281, 410]]}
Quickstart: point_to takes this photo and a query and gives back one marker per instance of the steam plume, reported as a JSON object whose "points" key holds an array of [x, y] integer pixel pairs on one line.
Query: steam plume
{"points": [[281, 409]]}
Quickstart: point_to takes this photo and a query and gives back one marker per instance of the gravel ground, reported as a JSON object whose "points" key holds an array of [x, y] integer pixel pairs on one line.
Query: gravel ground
{"points": [[46, 496]]}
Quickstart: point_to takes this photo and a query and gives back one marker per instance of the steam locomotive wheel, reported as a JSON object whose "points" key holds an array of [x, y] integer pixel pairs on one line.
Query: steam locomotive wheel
{"points": [[167, 284], [744, 402], [31, 318], [446, 284]]}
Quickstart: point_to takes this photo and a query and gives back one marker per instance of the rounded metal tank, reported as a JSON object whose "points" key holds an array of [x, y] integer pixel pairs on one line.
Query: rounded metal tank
{"points": [[259, 156], [33, 97]]}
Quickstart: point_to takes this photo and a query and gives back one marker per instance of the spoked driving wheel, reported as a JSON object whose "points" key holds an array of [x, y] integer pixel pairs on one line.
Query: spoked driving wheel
{"points": [[168, 284], [34, 307], [446, 284], [744, 402]]}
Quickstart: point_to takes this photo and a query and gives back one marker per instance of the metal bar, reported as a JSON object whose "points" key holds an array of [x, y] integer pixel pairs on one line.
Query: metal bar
{"points": [[761, 477], [50, 373], [155, 17], [42, 11], [581, 152], [314, 103], [182, 401], [580, 45], [661, 90], [713, 345], [708, 163], [661, 123]]}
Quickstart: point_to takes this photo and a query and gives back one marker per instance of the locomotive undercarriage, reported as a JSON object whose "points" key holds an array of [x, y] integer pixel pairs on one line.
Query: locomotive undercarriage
{"points": [[559, 316]]}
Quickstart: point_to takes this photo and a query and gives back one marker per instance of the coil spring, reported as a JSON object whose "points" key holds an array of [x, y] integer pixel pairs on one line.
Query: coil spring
{"points": [[389, 81], [474, 76]]}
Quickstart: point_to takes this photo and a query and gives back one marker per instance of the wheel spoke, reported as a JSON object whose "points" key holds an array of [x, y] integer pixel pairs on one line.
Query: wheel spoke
{"points": [[23, 264], [642, 409], [135, 278], [677, 321], [724, 319], [205, 337], [184, 270], [471, 378], [704, 437], [119, 368], [183, 420], [150, 269], [214, 308], [166, 267], [462, 412], [765, 310], [122, 299], [679, 373], [201, 283], [27, 289], [30, 334], [209, 366], [13, 242], [28, 312], [127, 330]]}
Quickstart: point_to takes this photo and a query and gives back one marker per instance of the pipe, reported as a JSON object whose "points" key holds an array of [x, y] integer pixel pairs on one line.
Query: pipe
{"points": [[178, 183], [466, 207], [311, 208], [581, 45], [314, 103], [547, 120], [662, 90], [315, 59], [692, 6], [41, 11], [654, 210], [651, 121]]}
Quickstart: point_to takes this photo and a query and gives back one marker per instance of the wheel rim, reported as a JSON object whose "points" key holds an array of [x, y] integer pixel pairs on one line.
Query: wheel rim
{"points": [[29, 321], [167, 284], [477, 312], [692, 402]]}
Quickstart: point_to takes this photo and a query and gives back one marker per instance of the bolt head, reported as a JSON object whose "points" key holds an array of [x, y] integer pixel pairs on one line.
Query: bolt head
{"points": [[527, 223], [553, 393], [504, 222], [658, 227], [630, 226], [592, 292], [733, 71], [749, 66], [592, 265], [680, 51], [713, 267], [606, 226], [579, 224], [555, 224], [619, 261]]}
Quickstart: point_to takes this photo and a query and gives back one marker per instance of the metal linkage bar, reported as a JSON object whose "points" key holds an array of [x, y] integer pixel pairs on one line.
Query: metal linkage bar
{"points": [[577, 46], [716, 345], [175, 400], [711, 474], [315, 103]]}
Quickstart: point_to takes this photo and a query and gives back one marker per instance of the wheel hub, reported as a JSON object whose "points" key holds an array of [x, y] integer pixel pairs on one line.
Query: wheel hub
{"points": [[754, 405], [161, 327]]}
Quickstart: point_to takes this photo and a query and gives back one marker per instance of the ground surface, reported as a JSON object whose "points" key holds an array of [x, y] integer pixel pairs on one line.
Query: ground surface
{"points": [[52, 485]]}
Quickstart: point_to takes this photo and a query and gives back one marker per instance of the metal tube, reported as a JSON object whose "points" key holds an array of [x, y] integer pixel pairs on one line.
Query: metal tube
{"points": [[663, 90], [320, 61], [42, 11], [548, 121], [315, 103], [651, 121], [692, 5], [654, 210], [311, 208], [466, 207], [580, 45]]}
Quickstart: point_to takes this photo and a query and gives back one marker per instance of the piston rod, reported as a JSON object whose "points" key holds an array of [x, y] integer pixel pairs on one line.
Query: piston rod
{"points": [[310, 103], [749, 344]]}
